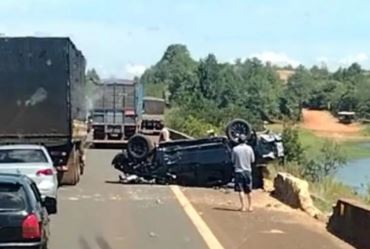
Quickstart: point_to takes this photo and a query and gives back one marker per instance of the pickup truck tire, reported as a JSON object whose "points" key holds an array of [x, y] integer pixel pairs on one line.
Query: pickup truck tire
{"points": [[72, 176], [139, 147], [237, 127]]}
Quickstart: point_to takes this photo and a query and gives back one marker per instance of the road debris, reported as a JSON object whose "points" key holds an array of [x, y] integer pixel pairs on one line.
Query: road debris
{"points": [[277, 205], [153, 235], [158, 201], [274, 231]]}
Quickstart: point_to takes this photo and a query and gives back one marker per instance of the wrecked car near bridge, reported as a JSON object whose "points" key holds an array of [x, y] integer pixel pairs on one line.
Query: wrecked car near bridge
{"points": [[204, 162]]}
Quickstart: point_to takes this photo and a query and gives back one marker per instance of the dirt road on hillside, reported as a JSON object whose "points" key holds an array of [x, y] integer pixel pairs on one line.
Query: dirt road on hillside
{"points": [[324, 124]]}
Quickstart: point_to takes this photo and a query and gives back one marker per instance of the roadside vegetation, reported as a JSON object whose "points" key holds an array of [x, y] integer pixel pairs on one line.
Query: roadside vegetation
{"points": [[367, 130], [312, 143], [317, 160], [206, 94], [213, 91]]}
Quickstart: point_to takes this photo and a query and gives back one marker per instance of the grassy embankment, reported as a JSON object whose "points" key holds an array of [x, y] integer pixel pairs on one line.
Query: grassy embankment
{"points": [[326, 193], [366, 130], [313, 143]]}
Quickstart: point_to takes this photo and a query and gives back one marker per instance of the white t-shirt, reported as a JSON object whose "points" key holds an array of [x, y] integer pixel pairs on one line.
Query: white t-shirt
{"points": [[243, 157]]}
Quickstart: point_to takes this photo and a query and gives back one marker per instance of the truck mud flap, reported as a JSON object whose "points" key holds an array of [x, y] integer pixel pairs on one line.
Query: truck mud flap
{"points": [[72, 175]]}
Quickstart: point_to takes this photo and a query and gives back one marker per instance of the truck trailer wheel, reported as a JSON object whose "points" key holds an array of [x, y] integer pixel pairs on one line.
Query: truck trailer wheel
{"points": [[72, 176], [82, 160], [139, 147], [236, 128]]}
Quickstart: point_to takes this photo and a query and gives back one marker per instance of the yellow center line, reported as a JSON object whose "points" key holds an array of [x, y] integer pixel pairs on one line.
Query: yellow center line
{"points": [[206, 233]]}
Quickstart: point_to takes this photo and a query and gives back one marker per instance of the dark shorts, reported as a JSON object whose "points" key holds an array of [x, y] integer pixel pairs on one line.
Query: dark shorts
{"points": [[243, 182]]}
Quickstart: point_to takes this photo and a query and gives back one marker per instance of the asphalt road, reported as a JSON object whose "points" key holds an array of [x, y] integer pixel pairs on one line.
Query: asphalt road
{"points": [[98, 213], [271, 225]]}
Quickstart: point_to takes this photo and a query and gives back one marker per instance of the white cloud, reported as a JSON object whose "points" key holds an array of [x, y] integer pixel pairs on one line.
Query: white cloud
{"points": [[359, 58], [133, 70], [276, 58], [322, 59]]}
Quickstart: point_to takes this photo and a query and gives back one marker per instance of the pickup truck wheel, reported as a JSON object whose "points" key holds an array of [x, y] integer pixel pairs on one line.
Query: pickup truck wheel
{"points": [[139, 147], [236, 128]]}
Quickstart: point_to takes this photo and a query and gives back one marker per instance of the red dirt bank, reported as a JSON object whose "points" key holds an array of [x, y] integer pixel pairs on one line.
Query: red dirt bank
{"points": [[324, 124]]}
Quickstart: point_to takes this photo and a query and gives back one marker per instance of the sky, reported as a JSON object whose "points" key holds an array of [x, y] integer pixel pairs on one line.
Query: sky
{"points": [[121, 38]]}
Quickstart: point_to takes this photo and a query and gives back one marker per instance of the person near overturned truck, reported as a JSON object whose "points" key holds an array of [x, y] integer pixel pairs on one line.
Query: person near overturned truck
{"points": [[243, 157], [164, 135]]}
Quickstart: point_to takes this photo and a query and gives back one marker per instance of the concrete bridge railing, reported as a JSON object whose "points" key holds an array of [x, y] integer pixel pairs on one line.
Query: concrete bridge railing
{"points": [[351, 222]]}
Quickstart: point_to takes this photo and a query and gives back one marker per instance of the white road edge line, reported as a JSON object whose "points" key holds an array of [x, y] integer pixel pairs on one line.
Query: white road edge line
{"points": [[206, 233]]}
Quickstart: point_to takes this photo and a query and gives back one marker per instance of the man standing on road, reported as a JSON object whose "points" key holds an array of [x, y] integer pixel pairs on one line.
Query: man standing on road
{"points": [[164, 135], [243, 157]]}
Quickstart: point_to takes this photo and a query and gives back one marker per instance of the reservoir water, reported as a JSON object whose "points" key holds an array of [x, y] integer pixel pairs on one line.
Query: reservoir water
{"points": [[356, 173]]}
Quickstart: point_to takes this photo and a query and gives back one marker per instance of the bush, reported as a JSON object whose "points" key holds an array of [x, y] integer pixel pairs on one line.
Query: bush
{"points": [[330, 159], [367, 197], [366, 130], [292, 147], [155, 90], [328, 191], [295, 169], [181, 120], [315, 169]]}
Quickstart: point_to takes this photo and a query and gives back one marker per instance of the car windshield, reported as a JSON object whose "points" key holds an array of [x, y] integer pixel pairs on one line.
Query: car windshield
{"points": [[11, 197], [22, 156]]}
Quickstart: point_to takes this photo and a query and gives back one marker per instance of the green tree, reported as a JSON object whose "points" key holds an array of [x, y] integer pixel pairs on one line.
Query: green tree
{"points": [[175, 70], [212, 92], [208, 72], [293, 149], [327, 164], [300, 86]]}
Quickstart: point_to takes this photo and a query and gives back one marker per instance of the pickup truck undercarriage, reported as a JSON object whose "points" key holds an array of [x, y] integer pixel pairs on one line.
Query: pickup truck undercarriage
{"points": [[204, 162]]}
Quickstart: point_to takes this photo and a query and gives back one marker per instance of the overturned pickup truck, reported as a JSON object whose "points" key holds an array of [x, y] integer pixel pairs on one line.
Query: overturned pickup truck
{"points": [[202, 162]]}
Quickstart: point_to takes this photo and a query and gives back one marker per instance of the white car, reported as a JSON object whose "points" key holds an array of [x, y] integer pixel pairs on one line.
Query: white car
{"points": [[33, 161]]}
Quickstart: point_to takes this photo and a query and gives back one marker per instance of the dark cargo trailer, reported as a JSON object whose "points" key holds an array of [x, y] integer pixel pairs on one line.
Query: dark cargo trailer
{"points": [[153, 115], [42, 99], [116, 110]]}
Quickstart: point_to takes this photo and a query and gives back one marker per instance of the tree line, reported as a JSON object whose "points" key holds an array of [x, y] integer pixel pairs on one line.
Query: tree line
{"points": [[207, 93], [347, 89]]}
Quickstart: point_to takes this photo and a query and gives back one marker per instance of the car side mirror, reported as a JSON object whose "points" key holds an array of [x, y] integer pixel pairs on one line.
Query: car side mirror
{"points": [[50, 204]]}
